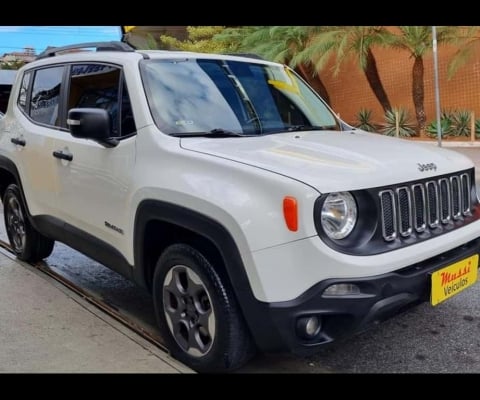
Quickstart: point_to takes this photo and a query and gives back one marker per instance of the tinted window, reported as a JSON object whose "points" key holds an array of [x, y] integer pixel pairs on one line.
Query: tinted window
{"points": [[101, 86], [46, 95]]}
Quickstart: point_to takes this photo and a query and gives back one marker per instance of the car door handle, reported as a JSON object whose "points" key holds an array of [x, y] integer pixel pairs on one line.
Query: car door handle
{"points": [[18, 141], [62, 155]]}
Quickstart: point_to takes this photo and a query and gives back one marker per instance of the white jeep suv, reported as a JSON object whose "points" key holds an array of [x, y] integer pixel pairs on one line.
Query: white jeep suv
{"points": [[227, 187]]}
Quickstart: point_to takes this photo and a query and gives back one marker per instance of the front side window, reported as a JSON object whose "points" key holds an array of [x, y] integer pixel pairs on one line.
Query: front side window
{"points": [[190, 96], [102, 86], [45, 96]]}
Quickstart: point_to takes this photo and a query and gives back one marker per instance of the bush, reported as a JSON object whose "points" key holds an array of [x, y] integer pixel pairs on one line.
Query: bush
{"points": [[453, 123], [446, 122], [461, 123], [405, 127], [364, 122]]}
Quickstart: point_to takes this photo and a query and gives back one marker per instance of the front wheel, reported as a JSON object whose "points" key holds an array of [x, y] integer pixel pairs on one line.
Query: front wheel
{"points": [[197, 313], [27, 243]]}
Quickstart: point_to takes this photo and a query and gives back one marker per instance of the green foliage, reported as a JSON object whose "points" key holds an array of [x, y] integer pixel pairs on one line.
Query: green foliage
{"points": [[467, 39], [276, 43], [446, 125], [405, 127], [200, 39], [461, 123], [231, 39], [151, 43], [343, 43], [477, 128], [417, 40], [15, 64], [364, 122], [453, 123]]}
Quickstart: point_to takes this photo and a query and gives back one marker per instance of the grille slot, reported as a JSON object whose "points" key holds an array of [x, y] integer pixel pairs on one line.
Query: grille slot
{"points": [[466, 205], [404, 211], [424, 205], [456, 197], [389, 217], [433, 204], [419, 208], [445, 201]]}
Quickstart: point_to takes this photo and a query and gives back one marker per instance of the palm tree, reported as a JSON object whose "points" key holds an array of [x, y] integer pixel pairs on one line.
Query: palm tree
{"points": [[280, 44], [344, 42], [417, 40], [469, 40]]}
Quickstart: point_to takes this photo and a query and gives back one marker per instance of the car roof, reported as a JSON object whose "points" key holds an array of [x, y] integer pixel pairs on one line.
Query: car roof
{"points": [[121, 57]]}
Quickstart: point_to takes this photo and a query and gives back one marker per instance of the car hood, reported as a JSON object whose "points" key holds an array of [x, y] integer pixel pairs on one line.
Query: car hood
{"points": [[335, 161]]}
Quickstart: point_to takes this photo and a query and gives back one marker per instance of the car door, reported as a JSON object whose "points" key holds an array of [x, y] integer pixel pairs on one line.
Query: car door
{"points": [[33, 134], [94, 180]]}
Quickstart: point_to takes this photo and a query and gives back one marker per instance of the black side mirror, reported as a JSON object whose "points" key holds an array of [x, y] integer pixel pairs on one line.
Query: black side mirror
{"points": [[91, 123]]}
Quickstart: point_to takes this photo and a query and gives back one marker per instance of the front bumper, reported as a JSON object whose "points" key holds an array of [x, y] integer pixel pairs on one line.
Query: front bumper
{"points": [[382, 296]]}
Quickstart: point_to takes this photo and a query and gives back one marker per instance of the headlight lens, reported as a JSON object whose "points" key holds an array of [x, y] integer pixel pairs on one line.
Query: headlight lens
{"points": [[339, 215]]}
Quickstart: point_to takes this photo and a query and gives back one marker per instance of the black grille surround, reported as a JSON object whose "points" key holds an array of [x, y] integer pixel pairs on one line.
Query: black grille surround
{"points": [[392, 217]]}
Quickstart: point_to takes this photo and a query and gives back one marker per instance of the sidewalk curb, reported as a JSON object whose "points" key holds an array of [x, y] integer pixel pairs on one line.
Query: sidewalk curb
{"points": [[449, 143], [107, 319]]}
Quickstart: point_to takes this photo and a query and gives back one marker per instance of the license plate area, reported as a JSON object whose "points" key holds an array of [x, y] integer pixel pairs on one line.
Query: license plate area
{"points": [[453, 279]]}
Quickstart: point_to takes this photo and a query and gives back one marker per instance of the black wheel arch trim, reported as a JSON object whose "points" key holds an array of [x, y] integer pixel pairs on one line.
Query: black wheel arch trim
{"points": [[9, 166], [254, 311]]}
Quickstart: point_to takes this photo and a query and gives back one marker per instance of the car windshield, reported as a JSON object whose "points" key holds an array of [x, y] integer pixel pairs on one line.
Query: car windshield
{"points": [[190, 97]]}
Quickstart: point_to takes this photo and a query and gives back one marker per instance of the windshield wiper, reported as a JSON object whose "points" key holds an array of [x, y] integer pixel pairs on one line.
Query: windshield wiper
{"points": [[217, 133]]}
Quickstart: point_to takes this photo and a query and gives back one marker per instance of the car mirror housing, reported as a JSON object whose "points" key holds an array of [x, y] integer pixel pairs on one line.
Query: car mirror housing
{"points": [[91, 123]]}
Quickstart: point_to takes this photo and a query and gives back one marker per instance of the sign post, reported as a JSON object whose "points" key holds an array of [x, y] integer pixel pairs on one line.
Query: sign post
{"points": [[437, 89]]}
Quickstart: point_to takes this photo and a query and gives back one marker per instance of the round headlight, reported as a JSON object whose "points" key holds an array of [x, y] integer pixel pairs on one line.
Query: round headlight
{"points": [[339, 215]]}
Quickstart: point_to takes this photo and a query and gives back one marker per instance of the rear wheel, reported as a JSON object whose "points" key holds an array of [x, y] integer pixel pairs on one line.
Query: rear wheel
{"points": [[197, 313], [27, 243]]}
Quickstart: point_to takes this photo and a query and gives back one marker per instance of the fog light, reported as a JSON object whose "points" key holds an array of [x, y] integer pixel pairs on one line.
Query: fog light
{"points": [[309, 327], [341, 289]]}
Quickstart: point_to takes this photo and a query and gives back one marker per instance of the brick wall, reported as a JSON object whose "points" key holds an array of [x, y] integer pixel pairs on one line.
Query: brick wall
{"points": [[349, 90]]}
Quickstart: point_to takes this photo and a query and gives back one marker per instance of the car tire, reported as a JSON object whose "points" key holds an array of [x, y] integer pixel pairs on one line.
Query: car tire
{"points": [[27, 243], [197, 313]]}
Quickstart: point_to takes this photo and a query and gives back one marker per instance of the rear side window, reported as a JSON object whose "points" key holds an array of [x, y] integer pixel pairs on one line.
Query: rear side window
{"points": [[45, 96], [22, 95]]}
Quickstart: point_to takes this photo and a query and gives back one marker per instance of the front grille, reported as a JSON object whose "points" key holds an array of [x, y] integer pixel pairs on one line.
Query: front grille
{"points": [[424, 205]]}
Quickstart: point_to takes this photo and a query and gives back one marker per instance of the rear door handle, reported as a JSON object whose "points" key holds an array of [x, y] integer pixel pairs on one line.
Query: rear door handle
{"points": [[18, 141], [62, 155]]}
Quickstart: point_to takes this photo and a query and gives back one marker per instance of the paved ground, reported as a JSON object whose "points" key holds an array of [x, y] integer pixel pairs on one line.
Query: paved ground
{"points": [[46, 328]]}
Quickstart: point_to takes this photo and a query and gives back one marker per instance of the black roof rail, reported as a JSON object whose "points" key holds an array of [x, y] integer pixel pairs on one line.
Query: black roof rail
{"points": [[99, 46]]}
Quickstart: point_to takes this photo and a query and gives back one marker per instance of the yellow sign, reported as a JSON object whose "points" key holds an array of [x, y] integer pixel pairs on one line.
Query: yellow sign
{"points": [[292, 87], [127, 29], [451, 280]]}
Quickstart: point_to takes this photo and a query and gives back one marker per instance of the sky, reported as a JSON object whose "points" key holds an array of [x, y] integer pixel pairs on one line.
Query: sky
{"points": [[16, 38]]}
